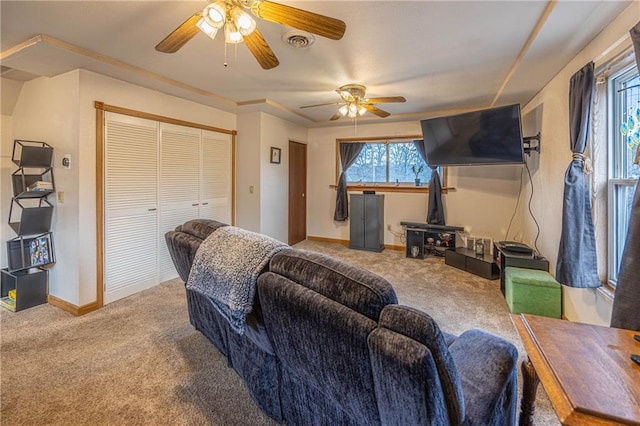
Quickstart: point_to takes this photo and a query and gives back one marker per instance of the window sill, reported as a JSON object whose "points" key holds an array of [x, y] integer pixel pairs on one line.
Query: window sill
{"points": [[391, 188], [607, 292]]}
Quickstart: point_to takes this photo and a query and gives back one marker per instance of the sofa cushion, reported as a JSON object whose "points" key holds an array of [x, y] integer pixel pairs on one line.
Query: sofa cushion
{"points": [[359, 289], [407, 384], [421, 327], [322, 343], [487, 366]]}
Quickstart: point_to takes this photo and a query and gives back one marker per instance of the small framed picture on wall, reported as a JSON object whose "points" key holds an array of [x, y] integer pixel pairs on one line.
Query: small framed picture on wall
{"points": [[275, 155]]}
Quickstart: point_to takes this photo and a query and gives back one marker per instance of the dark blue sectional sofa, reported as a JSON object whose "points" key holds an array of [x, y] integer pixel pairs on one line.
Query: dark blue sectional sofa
{"points": [[327, 344]]}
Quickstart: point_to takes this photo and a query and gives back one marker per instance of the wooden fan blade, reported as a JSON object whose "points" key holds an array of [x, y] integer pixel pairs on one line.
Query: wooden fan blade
{"points": [[261, 50], [317, 105], [301, 19], [375, 110], [180, 36], [336, 116], [386, 100]]}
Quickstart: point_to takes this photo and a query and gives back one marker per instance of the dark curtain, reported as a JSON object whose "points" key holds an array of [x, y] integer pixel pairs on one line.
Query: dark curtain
{"points": [[435, 209], [348, 154], [626, 303], [577, 266]]}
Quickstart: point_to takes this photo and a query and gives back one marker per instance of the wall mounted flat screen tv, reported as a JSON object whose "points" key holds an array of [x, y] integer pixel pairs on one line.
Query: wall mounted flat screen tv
{"points": [[489, 136]]}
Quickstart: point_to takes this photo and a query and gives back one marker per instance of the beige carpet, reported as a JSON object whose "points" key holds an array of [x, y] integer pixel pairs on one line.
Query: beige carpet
{"points": [[138, 361]]}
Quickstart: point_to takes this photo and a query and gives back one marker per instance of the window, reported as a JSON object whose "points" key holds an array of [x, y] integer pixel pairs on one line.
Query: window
{"points": [[623, 172], [389, 162]]}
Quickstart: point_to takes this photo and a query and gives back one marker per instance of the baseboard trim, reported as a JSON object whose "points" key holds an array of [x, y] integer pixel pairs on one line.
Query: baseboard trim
{"points": [[71, 308], [346, 242], [328, 240]]}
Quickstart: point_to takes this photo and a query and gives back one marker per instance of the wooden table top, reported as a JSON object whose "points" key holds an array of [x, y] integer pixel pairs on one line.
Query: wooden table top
{"points": [[585, 369]]}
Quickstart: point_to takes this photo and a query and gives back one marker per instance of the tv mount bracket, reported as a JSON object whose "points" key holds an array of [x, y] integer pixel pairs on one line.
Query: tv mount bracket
{"points": [[527, 141]]}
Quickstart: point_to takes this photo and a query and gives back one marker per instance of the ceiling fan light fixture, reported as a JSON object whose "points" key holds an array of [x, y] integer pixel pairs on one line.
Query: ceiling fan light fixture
{"points": [[243, 21], [361, 110], [231, 33], [206, 28], [215, 14], [343, 110], [353, 110]]}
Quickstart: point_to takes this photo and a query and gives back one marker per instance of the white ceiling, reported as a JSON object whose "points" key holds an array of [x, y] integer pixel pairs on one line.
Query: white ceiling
{"points": [[440, 55]]}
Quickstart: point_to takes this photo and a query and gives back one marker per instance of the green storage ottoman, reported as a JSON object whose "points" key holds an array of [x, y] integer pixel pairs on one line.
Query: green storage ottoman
{"points": [[530, 291]]}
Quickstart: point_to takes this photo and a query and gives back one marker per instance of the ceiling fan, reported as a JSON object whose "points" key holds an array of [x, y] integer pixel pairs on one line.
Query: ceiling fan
{"points": [[354, 102], [238, 26]]}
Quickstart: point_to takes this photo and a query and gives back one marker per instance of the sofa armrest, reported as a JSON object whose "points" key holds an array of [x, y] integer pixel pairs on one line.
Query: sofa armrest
{"points": [[184, 241], [182, 248], [200, 228], [487, 365]]}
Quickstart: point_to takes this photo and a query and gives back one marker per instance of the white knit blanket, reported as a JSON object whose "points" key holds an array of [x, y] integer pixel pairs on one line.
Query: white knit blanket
{"points": [[226, 268]]}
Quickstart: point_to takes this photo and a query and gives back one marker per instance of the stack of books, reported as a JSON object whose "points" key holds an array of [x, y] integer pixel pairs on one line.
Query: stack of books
{"points": [[41, 185], [9, 301]]}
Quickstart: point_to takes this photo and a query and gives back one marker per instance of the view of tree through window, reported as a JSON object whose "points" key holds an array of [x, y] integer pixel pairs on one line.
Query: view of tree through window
{"points": [[388, 162]]}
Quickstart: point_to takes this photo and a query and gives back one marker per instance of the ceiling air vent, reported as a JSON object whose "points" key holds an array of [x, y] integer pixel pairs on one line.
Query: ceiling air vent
{"points": [[298, 39]]}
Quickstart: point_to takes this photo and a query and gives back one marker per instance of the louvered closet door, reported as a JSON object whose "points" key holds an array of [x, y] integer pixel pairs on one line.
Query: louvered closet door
{"points": [[130, 191], [179, 184], [216, 187]]}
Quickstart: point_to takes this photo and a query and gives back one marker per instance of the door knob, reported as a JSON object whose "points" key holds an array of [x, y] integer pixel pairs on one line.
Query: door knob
{"points": [[303, 195]]}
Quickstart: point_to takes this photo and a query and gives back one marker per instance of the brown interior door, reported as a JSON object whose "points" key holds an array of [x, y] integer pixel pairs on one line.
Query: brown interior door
{"points": [[297, 192]]}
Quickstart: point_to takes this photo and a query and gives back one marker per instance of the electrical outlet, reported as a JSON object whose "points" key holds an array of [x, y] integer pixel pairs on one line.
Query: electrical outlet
{"points": [[60, 195]]}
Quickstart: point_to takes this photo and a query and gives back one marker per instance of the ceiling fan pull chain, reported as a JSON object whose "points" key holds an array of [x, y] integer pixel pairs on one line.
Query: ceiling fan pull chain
{"points": [[225, 55]]}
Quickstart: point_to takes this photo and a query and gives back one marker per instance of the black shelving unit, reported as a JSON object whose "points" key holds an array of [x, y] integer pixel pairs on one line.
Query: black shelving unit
{"points": [[504, 258], [423, 239], [30, 286], [466, 259], [31, 252]]}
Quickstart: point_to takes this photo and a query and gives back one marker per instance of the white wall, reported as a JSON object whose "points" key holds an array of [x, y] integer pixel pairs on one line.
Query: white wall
{"points": [[552, 104], [248, 158], [274, 179], [483, 200], [6, 168], [47, 111], [9, 93], [266, 210], [61, 111]]}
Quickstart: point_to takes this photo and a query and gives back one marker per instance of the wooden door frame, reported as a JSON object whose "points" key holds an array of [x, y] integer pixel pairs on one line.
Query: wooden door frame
{"points": [[101, 108]]}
